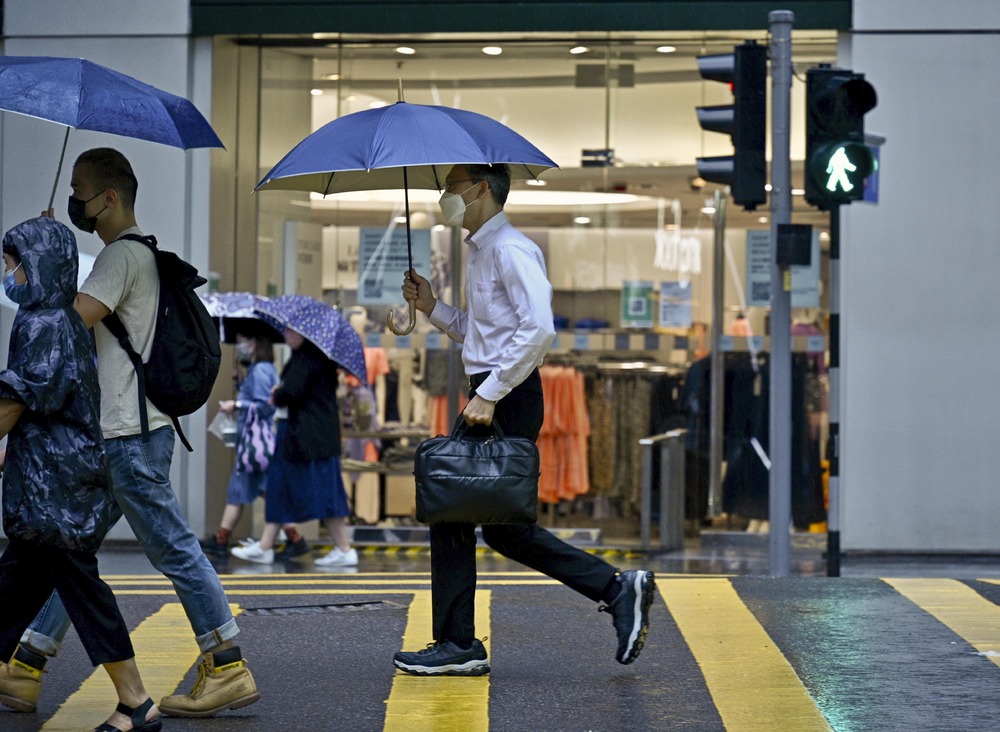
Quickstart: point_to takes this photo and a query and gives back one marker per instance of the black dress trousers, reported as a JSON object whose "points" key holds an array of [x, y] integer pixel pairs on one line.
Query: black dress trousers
{"points": [[453, 546], [28, 574]]}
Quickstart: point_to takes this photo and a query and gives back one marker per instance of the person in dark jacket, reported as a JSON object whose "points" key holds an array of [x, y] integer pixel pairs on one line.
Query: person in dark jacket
{"points": [[304, 481], [57, 500]]}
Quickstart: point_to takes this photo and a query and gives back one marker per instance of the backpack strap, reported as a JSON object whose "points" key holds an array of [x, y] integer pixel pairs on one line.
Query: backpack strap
{"points": [[114, 324], [117, 329]]}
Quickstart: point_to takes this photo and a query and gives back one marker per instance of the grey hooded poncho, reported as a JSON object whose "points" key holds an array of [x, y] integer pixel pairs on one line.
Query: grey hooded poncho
{"points": [[56, 483]]}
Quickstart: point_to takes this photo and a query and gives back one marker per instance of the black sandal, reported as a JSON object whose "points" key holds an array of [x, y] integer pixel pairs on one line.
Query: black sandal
{"points": [[138, 717]]}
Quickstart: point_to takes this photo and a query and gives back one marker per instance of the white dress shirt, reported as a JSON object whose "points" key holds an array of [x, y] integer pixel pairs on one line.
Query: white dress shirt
{"points": [[509, 298]]}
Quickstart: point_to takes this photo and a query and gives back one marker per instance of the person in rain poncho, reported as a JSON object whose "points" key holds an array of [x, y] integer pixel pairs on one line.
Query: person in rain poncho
{"points": [[57, 501]]}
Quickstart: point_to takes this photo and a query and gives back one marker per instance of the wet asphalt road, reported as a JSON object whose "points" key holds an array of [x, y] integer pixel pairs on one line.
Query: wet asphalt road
{"points": [[738, 652]]}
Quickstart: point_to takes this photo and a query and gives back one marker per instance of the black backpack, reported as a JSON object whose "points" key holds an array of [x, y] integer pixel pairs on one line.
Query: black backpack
{"points": [[185, 356]]}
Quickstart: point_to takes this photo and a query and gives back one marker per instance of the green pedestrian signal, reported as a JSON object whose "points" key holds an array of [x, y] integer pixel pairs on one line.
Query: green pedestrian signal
{"points": [[842, 169], [837, 159]]}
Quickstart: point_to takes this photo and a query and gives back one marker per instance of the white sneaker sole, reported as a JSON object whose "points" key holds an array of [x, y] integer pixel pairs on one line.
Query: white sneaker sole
{"points": [[469, 668], [644, 588]]}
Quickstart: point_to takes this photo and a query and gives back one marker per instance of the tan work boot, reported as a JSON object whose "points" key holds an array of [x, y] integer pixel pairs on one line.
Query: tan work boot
{"points": [[224, 682], [21, 680]]}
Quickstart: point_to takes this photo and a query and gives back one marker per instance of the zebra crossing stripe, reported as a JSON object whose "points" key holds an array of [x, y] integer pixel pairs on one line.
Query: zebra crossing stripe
{"points": [[751, 682], [165, 650], [959, 607], [447, 703]]}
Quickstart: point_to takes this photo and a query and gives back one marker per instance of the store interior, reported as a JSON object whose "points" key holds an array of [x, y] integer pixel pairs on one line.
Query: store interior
{"points": [[626, 205]]}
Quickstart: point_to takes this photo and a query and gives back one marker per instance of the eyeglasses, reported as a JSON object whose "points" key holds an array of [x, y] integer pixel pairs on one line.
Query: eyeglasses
{"points": [[449, 183]]}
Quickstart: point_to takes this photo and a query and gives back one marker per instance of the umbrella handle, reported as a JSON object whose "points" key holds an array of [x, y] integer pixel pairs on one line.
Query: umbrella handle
{"points": [[409, 327]]}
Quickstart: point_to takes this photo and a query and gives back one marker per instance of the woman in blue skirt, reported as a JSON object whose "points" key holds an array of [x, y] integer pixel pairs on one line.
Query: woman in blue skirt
{"points": [[304, 480]]}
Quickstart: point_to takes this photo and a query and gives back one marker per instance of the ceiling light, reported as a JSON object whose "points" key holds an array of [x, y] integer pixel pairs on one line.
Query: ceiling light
{"points": [[399, 220], [708, 210], [762, 219], [577, 50], [535, 182], [438, 227], [492, 50], [666, 49], [331, 77], [582, 220], [316, 92], [405, 50], [798, 191], [376, 104]]}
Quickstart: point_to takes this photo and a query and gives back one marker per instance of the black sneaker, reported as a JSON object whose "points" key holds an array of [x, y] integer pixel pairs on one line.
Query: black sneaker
{"points": [[630, 612], [444, 659], [212, 548], [292, 549]]}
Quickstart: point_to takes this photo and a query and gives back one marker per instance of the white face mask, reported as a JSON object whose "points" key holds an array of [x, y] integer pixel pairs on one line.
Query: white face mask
{"points": [[453, 206]]}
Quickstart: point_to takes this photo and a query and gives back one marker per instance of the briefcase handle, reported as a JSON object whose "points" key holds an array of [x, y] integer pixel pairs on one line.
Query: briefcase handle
{"points": [[461, 428]]}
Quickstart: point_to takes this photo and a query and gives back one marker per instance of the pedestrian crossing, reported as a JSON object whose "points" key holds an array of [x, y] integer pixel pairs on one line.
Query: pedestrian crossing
{"points": [[755, 677]]}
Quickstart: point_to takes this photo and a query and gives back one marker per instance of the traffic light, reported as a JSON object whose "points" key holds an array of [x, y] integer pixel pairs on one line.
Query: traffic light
{"points": [[837, 159], [745, 171]]}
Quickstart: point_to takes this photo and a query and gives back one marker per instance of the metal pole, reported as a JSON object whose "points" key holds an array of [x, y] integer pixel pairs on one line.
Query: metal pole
{"points": [[456, 373], [833, 443], [716, 362], [780, 444]]}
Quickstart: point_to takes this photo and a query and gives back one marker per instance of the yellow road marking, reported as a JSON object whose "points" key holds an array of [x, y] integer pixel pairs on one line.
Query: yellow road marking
{"points": [[441, 704], [753, 685], [164, 649], [959, 607]]}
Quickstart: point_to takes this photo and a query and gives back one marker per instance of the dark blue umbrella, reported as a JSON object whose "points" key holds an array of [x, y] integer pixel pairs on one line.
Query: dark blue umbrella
{"points": [[321, 325], [81, 94], [401, 146]]}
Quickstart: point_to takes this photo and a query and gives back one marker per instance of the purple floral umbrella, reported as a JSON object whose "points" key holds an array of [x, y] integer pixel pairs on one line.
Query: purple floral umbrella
{"points": [[321, 325]]}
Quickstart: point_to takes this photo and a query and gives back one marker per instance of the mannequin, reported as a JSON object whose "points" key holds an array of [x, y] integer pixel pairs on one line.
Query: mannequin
{"points": [[376, 359]]}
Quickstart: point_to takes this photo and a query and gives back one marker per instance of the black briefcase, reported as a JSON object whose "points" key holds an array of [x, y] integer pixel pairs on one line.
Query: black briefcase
{"points": [[476, 480]]}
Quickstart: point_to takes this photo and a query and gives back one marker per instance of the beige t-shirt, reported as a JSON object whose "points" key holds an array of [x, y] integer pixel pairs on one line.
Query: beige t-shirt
{"points": [[124, 279]]}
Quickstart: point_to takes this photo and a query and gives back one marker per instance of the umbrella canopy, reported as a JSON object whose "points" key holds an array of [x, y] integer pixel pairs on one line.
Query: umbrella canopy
{"points": [[87, 96], [234, 313], [369, 150], [81, 94], [322, 326], [401, 146], [277, 311]]}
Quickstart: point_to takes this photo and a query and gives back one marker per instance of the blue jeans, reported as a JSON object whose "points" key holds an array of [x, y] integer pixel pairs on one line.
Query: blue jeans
{"points": [[140, 476]]}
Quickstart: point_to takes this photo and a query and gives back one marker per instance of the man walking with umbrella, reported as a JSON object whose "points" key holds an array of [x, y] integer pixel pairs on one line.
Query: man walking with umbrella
{"points": [[124, 280], [505, 334]]}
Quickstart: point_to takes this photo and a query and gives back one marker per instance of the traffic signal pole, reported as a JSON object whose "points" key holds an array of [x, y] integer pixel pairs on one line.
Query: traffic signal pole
{"points": [[833, 443], [780, 443]]}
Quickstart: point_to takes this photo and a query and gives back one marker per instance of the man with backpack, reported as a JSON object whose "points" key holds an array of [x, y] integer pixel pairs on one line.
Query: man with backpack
{"points": [[125, 281]]}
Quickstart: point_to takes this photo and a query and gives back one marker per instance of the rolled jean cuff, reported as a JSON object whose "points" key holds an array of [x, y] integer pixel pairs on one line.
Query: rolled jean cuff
{"points": [[41, 643], [220, 635]]}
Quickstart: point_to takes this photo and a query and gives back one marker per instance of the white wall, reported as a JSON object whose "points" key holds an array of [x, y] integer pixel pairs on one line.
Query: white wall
{"points": [[921, 407], [148, 39]]}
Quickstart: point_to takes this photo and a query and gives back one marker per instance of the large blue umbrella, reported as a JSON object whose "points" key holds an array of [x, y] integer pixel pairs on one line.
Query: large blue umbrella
{"points": [[321, 325], [401, 146], [81, 94]]}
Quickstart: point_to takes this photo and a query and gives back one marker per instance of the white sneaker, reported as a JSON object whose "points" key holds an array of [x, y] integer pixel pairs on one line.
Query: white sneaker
{"points": [[337, 558], [253, 553], [249, 541]]}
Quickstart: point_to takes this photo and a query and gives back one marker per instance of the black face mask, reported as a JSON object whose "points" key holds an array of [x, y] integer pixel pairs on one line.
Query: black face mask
{"points": [[75, 211]]}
